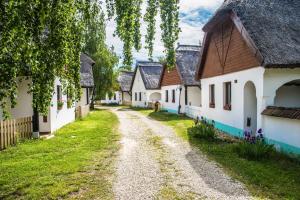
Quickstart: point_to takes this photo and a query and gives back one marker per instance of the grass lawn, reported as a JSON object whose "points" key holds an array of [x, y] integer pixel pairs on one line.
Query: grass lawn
{"points": [[75, 164], [274, 178]]}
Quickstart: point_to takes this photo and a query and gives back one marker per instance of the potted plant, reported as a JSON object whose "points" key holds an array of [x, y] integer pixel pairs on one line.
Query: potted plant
{"points": [[60, 104]]}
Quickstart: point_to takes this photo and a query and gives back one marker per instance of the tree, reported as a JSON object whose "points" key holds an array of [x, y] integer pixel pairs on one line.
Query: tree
{"points": [[104, 57], [128, 16], [43, 40]]}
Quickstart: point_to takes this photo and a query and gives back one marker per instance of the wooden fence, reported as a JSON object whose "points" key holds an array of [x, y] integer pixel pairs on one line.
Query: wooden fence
{"points": [[14, 129]]}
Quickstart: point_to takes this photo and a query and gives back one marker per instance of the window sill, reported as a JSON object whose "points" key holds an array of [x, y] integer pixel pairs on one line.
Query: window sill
{"points": [[227, 107], [212, 105]]}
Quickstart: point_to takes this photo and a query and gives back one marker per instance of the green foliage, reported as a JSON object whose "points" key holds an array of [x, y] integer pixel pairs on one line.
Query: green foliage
{"points": [[41, 40], [128, 16], [104, 57], [203, 131], [254, 151]]}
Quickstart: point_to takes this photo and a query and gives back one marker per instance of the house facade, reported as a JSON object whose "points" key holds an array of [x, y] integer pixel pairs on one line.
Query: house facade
{"points": [[60, 112], [249, 71], [125, 80], [145, 87], [87, 85], [180, 91], [116, 98]]}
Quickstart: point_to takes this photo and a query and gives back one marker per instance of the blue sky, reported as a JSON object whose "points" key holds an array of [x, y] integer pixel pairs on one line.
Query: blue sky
{"points": [[193, 15]]}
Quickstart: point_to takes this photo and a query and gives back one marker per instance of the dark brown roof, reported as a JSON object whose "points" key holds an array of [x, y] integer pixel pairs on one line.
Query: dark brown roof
{"points": [[291, 113]]}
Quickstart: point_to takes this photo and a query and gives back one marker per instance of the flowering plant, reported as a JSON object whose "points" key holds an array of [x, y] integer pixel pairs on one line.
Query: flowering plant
{"points": [[248, 137], [60, 104]]}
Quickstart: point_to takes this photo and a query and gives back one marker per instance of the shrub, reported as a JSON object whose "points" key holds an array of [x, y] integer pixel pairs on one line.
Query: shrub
{"points": [[254, 147], [202, 130]]}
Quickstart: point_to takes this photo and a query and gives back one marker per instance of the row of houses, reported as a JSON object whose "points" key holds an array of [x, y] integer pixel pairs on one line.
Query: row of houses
{"points": [[60, 112], [245, 77]]}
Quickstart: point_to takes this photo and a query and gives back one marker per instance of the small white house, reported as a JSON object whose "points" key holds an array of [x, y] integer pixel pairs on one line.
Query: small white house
{"points": [[179, 89], [249, 71], [60, 111], [116, 98], [87, 85], [145, 87], [125, 80]]}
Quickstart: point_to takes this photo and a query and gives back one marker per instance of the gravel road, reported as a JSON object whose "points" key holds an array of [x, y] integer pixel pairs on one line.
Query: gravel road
{"points": [[154, 163]]}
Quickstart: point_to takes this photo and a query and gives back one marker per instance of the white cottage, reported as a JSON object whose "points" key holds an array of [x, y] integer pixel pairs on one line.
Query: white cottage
{"points": [[87, 85], [179, 89], [116, 98], [145, 85], [60, 111], [250, 70], [125, 80]]}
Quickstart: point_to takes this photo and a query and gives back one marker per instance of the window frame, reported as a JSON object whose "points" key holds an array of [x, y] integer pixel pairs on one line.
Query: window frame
{"points": [[167, 96], [59, 92], [173, 96], [212, 96], [227, 95]]}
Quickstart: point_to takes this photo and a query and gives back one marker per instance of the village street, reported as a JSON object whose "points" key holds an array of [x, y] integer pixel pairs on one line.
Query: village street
{"points": [[154, 163]]}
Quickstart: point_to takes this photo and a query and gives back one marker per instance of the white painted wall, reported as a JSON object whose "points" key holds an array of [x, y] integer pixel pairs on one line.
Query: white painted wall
{"points": [[172, 106], [235, 116], [282, 130], [126, 98], [111, 100], [57, 118], [288, 96], [137, 87], [194, 96]]}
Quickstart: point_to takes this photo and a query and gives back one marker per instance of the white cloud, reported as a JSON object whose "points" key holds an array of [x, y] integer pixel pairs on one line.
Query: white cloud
{"points": [[190, 25]]}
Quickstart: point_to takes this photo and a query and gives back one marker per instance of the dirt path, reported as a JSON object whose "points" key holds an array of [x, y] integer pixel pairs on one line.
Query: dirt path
{"points": [[155, 164]]}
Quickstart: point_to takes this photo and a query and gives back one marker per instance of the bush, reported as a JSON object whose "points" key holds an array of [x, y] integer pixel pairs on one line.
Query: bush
{"points": [[256, 151], [203, 131], [254, 147]]}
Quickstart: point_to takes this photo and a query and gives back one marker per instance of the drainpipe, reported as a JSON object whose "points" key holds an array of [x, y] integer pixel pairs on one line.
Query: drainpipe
{"points": [[179, 106], [35, 124]]}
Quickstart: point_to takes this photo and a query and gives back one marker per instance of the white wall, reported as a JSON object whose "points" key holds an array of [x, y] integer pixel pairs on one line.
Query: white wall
{"points": [[126, 98], [154, 97], [23, 107], [57, 118], [234, 117], [172, 106], [194, 96], [288, 96], [111, 100], [138, 86], [282, 130]]}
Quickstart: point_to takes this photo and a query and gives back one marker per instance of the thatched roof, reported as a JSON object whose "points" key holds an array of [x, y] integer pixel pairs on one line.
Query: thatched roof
{"points": [[125, 80], [273, 25], [86, 71], [187, 57], [291, 113], [151, 73]]}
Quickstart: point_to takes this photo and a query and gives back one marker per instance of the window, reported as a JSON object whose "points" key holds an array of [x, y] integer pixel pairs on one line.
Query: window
{"points": [[115, 96], [45, 119], [173, 96], [59, 94], [167, 95], [87, 96], [186, 96], [135, 96], [227, 95], [140, 96], [211, 96]]}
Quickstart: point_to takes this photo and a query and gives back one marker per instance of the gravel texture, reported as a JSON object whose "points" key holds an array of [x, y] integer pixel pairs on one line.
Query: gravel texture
{"points": [[155, 164]]}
